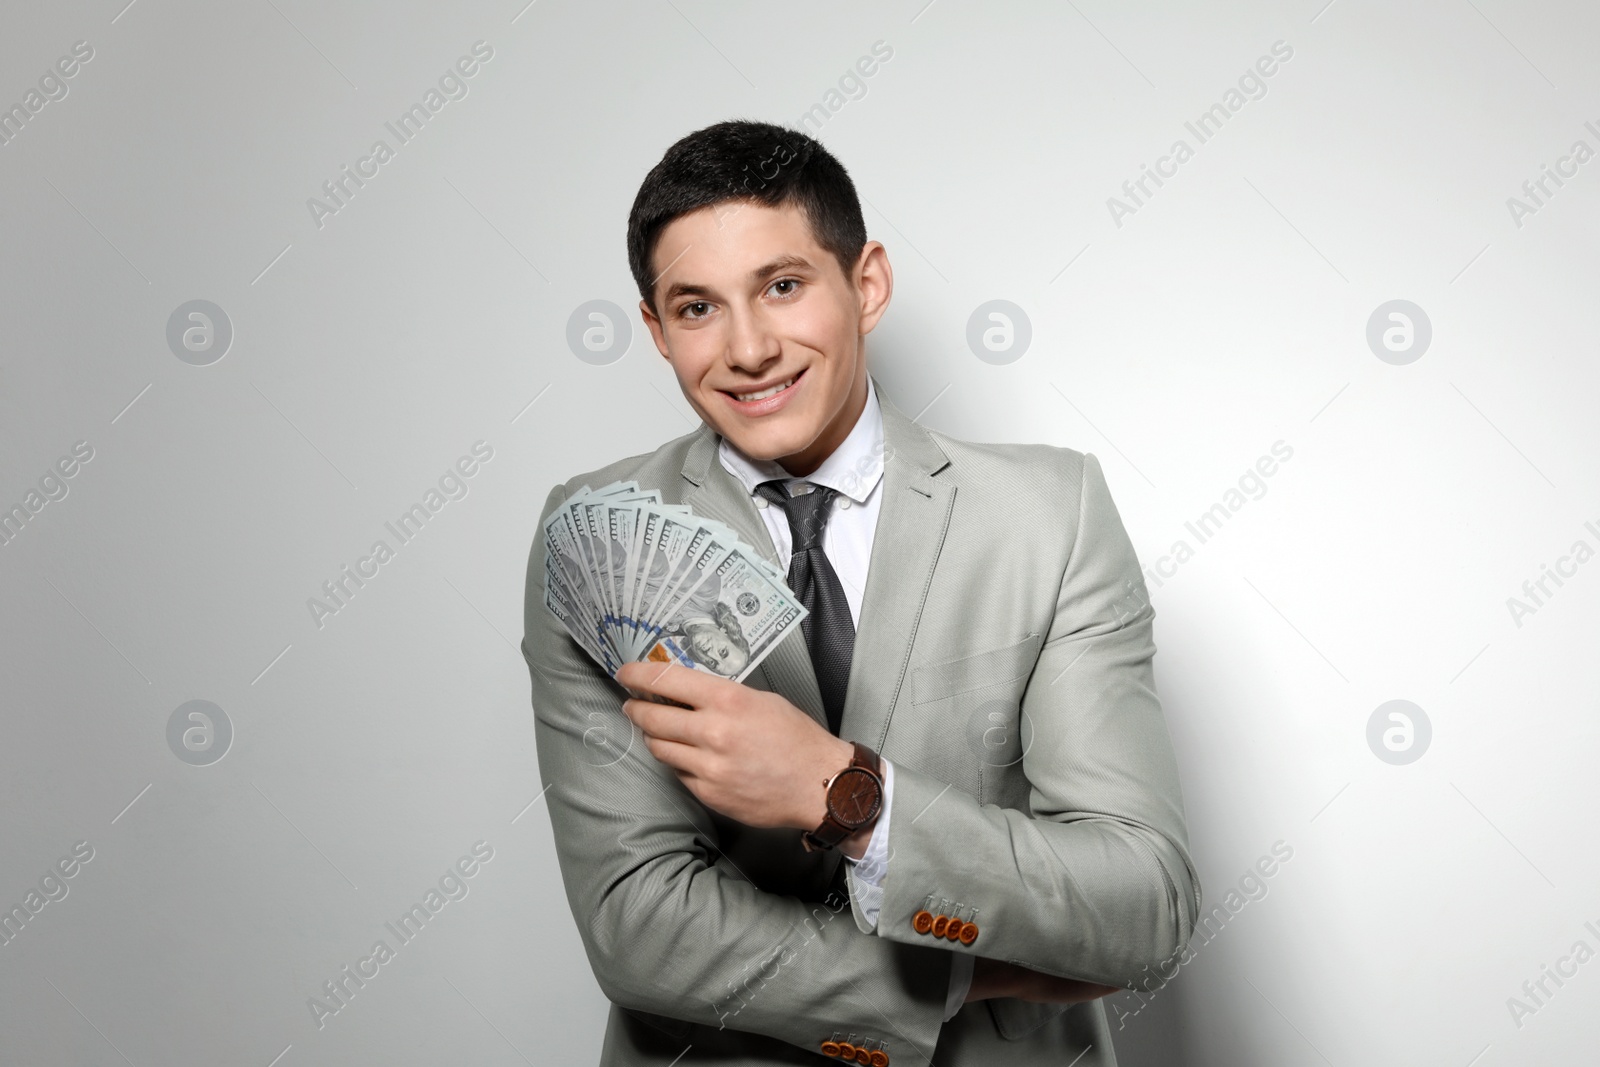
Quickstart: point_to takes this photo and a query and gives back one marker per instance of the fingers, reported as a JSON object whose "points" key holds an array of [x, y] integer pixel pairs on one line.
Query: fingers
{"points": [[679, 757], [1078, 992], [671, 680], [660, 721], [1049, 989]]}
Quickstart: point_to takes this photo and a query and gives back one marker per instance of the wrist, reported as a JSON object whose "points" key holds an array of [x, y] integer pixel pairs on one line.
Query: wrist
{"points": [[834, 757], [851, 799]]}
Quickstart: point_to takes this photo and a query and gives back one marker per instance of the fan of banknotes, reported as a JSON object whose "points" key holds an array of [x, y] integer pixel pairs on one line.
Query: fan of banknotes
{"points": [[632, 579]]}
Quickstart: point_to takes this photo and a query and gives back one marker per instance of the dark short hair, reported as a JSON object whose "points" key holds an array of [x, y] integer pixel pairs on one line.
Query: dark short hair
{"points": [[735, 160]]}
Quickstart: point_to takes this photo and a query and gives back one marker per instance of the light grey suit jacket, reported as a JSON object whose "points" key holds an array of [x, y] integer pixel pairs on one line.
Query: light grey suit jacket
{"points": [[1003, 662]]}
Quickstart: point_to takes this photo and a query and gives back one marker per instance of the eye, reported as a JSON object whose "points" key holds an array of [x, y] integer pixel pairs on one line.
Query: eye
{"points": [[795, 282], [683, 311]]}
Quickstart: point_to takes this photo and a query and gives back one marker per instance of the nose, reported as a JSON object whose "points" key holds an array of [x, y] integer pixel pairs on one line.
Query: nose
{"points": [[751, 344]]}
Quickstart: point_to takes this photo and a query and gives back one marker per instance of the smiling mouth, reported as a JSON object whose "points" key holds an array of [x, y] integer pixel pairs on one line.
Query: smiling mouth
{"points": [[762, 394]]}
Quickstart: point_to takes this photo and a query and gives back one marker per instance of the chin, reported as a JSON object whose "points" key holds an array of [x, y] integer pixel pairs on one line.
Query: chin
{"points": [[768, 446], [768, 453]]}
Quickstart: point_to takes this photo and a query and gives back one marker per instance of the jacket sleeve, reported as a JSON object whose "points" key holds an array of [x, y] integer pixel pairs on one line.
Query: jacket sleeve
{"points": [[866, 894], [671, 926], [1094, 881]]}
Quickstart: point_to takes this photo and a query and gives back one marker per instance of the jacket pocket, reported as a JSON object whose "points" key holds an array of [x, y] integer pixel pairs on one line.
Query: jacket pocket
{"points": [[948, 678], [673, 1028], [1016, 1019]]}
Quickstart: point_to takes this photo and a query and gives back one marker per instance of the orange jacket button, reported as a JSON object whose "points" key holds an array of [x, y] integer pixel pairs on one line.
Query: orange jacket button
{"points": [[863, 1056], [939, 924], [830, 1048], [969, 933], [847, 1051], [922, 922], [953, 931], [880, 1058]]}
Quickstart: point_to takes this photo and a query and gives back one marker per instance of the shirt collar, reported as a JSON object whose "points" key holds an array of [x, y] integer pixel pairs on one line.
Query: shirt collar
{"points": [[854, 468]]}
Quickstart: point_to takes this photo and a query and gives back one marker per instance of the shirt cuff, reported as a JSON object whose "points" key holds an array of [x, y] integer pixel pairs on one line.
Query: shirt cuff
{"points": [[960, 983], [867, 872]]}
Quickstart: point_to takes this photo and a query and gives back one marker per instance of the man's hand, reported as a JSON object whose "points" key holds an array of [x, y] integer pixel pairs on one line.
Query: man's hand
{"points": [[996, 978], [747, 753]]}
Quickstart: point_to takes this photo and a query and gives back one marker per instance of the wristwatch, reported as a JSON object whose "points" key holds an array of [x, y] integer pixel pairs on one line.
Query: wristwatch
{"points": [[854, 800]]}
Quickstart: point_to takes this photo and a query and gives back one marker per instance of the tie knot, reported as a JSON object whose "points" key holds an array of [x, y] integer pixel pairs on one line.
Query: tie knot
{"points": [[808, 512]]}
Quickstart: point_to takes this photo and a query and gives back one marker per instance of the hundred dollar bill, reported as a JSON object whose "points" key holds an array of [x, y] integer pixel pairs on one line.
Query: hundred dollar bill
{"points": [[727, 622], [633, 578]]}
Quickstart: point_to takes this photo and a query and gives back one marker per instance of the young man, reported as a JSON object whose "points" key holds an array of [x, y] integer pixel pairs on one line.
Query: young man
{"points": [[976, 666]]}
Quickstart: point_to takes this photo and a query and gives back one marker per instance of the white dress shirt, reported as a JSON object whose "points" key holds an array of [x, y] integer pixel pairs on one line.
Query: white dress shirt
{"points": [[855, 469]]}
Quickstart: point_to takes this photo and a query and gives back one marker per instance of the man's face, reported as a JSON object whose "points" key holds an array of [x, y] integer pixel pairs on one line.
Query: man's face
{"points": [[749, 300]]}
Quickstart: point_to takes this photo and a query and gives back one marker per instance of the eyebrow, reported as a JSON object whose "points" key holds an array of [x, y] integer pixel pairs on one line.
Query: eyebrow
{"points": [[784, 262]]}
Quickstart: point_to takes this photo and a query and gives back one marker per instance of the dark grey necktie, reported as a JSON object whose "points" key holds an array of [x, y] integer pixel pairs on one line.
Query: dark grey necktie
{"points": [[829, 631]]}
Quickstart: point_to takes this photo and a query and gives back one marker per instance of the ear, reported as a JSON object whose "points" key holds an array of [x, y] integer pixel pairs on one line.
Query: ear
{"points": [[657, 334], [874, 281]]}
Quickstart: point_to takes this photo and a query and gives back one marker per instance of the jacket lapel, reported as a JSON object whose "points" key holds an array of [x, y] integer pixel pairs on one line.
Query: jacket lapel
{"points": [[912, 520]]}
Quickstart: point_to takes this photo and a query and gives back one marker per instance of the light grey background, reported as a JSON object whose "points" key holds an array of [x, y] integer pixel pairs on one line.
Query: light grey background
{"points": [[1227, 312]]}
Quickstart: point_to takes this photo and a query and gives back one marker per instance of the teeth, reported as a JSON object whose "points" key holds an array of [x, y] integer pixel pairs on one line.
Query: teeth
{"points": [[780, 387]]}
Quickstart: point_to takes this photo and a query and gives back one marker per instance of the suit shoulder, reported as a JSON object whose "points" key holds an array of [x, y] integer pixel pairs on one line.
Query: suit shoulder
{"points": [[1053, 470], [654, 469]]}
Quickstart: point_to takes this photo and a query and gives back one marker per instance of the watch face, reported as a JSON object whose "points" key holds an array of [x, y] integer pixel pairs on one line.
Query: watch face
{"points": [[855, 797]]}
